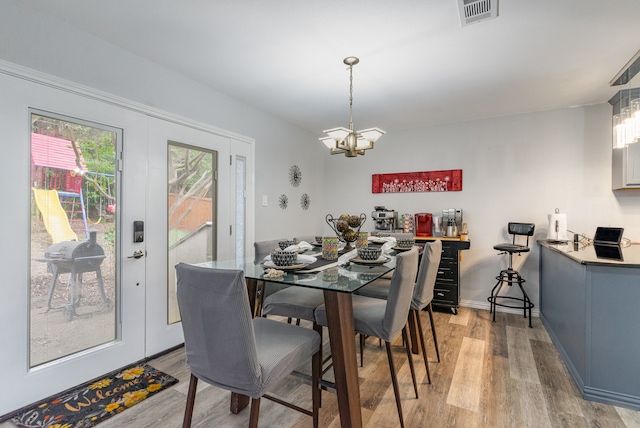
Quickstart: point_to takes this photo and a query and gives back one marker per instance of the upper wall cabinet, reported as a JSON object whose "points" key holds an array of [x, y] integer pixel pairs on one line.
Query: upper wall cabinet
{"points": [[626, 168]]}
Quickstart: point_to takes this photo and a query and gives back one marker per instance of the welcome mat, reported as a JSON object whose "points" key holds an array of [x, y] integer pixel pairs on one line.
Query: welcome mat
{"points": [[93, 402]]}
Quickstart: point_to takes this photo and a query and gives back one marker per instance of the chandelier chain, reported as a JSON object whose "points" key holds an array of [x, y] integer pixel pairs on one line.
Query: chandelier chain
{"points": [[351, 96]]}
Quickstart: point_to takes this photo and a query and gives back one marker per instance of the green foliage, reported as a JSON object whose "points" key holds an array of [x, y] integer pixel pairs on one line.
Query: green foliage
{"points": [[110, 236]]}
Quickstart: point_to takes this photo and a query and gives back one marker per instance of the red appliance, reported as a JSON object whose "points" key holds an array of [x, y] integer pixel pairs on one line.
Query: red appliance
{"points": [[423, 222]]}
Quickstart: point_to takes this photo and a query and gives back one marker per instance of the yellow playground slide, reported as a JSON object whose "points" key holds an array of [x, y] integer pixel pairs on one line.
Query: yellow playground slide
{"points": [[53, 215]]}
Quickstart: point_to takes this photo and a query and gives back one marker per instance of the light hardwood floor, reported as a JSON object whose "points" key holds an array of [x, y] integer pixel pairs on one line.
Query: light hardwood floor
{"points": [[501, 374]]}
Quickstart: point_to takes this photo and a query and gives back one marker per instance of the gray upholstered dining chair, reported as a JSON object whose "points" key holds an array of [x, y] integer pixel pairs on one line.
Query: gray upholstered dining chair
{"points": [[261, 249], [290, 302], [386, 319], [227, 348], [422, 294]]}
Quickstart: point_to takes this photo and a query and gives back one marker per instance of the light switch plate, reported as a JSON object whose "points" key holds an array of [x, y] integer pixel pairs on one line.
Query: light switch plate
{"points": [[265, 200]]}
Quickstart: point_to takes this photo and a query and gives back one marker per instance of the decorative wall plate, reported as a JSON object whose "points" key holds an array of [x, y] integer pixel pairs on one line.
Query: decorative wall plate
{"points": [[305, 201], [283, 201], [295, 176]]}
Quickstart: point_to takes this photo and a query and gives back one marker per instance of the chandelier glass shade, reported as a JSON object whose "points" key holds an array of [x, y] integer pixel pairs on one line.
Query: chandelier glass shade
{"points": [[626, 125], [345, 140]]}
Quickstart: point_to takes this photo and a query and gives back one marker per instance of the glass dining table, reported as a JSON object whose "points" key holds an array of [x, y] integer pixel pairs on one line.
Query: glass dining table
{"points": [[338, 282]]}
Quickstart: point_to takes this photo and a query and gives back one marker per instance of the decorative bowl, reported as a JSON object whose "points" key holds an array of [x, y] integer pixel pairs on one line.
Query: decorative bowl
{"points": [[405, 243], [319, 239], [285, 244], [283, 258], [346, 227], [369, 253]]}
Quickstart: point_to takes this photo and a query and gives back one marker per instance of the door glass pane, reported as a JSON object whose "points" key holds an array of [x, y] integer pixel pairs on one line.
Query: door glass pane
{"points": [[240, 204], [73, 237], [191, 204]]}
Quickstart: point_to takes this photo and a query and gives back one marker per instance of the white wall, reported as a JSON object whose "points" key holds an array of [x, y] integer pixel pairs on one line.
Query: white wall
{"points": [[33, 40], [515, 168]]}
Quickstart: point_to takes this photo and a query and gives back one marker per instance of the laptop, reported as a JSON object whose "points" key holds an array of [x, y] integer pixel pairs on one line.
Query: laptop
{"points": [[608, 235]]}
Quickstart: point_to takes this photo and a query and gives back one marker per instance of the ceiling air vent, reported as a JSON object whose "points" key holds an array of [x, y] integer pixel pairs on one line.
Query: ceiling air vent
{"points": [[472, 11]]}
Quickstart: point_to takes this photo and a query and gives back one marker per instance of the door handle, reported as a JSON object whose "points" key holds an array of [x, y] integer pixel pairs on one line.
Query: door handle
{"points": [[137, 254]]}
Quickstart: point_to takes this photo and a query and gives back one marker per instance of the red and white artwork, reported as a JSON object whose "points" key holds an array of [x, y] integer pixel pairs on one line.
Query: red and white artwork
{"points": [[410, 182]]}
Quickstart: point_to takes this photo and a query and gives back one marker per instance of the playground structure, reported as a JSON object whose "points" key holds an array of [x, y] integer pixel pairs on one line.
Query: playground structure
{"points": [[57, 182], [54, 169]]}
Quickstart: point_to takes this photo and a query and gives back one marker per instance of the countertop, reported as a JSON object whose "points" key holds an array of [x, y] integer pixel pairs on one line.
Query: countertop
{"points": [[612, 256]]}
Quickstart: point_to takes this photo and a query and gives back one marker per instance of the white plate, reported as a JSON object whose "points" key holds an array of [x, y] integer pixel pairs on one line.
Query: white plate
{"points": [[401, 249], [381, 260], [272, 265]]}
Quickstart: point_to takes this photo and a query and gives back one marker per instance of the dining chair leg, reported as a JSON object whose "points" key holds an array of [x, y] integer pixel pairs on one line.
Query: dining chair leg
{"points": [[413, 370], [316, 394], [433, 330], [424, 348], [191, 399], [260, 290], [394, 381], [320, 363], [255, 413], [361, 350]]}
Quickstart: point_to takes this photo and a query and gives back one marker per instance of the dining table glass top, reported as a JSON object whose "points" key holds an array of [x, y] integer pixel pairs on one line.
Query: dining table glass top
{"points": [[347, 277]]}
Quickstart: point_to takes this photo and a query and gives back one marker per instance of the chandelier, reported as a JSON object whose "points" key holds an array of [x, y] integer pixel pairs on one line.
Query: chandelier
{"points": [[342, 140]]}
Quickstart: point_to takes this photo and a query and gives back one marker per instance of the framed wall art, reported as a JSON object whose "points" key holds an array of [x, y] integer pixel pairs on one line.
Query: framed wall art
{"points": [[449, 180]]}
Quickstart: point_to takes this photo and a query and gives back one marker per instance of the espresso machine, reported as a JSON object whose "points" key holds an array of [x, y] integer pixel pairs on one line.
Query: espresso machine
{"points": [[384, 219]]}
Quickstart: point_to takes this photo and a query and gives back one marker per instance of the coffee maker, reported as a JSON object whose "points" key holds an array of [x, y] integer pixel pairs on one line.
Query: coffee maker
{"points": [[384, 219], [424, 223], [451, 222]]}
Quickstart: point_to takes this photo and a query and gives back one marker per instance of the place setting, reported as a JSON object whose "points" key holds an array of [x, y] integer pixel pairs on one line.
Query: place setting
{"points": [[369, 256], [287, 260], [404, 244]]}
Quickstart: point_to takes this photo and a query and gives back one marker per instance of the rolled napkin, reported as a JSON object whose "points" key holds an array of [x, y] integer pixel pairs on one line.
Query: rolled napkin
{"points": [[346, 257], [390, 242], [300, 246], [306, 259]]}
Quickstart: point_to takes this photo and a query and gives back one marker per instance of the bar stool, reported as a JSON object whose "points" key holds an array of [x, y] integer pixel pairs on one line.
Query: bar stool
{"points": [[511, 276]]}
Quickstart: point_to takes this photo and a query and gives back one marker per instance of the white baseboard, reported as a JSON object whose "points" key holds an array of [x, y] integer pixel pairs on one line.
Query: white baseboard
{"points": [[535, 312]]}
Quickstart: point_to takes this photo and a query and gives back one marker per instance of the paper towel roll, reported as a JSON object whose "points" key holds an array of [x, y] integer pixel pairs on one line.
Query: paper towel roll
{"points": [[557, 227]]}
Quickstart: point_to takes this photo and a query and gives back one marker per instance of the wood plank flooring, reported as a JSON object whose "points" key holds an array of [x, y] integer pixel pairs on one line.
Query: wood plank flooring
{"points": [[499, 374]]}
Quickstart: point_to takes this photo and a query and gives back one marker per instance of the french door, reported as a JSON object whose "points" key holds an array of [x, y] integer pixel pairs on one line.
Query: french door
{"points": [[51, 342], [189, 198], [117, 182]]}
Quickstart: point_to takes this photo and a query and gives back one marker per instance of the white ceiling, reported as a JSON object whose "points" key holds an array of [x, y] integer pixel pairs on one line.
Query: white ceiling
{"points": [[418, 64]]}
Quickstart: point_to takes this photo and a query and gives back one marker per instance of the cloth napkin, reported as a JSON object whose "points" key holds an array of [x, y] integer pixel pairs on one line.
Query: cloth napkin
{"points": [[390, 242], [302, 245], [347, 256]]}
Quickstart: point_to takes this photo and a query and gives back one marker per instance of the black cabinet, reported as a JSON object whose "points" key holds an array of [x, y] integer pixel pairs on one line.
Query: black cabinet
{"points": [[447, 290]]}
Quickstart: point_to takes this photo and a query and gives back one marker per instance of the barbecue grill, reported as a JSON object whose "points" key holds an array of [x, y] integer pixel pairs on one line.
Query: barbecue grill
{"points": [[75, 258]]}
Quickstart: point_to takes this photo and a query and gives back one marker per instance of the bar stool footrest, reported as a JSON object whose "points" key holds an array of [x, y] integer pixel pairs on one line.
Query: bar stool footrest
{"points": [[526, 304]]}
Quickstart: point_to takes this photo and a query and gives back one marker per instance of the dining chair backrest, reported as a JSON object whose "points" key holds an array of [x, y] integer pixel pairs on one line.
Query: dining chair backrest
{"points": [[218, 330], [427, 272], [400, 292], [262, 248]]}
